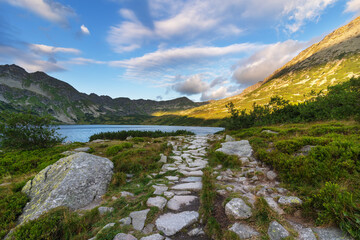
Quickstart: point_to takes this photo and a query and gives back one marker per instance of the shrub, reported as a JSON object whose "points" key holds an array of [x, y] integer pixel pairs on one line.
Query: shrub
{"points": [[122, 135], [113, 150], [27, 131], [227, 161]]}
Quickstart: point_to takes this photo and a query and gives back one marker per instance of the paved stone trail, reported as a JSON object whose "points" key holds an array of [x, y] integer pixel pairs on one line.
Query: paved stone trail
{"points": [[177, 196]]}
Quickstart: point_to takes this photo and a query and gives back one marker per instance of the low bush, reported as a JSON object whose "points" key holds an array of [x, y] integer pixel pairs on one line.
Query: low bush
{"points": [[113, 150], [122, 135], [227, 161]]}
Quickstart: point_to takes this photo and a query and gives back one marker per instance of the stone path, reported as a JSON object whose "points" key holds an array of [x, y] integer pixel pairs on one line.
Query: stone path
{"points": [[178, 199], [177, 196]]}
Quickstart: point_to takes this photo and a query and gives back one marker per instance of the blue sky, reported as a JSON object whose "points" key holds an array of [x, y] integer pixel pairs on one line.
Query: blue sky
{"points": [[163, 49]]}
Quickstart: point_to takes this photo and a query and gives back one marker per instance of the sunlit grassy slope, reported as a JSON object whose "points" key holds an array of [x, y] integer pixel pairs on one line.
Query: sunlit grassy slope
{"points": [[333, 60]]}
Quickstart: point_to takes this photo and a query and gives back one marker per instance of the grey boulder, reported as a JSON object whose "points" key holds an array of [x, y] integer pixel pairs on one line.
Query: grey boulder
{"points": [[138, 219], [75, 181], [171, 223], [277, 232], [124, 236], [240, 148], [238, 209], [243, 231]]}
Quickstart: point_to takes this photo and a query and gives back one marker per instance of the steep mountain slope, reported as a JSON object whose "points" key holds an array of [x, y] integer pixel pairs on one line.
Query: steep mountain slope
{"points": [[333, 60], [41, 93]]}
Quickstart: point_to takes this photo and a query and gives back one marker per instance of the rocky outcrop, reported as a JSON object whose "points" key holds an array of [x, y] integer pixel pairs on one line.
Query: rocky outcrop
{"points": [[75, 181], [239, 148]]}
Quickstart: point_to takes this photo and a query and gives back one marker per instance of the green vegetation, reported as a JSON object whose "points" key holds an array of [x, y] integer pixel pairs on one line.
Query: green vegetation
{"points": [[27, 131], [122, 135], [111, 151], [341, 102], [327, 177]]}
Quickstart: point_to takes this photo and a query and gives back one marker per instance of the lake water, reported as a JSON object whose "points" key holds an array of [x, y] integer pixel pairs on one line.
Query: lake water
{"points": [[82, 133]]}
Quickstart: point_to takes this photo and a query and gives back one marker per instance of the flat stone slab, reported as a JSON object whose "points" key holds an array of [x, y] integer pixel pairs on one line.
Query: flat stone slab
{"points": [[172, 178], [194, 186], [82, 149], [243, 231], [306, 234], [331, 234], [124, 236], [178, 201], [153, 237], [191, 179], [171, 223], [277, 232], [160, 189], [238, 209], [273, 205], [240, 148], [198, 173], [138, 219], [159, 202], [290, 201]]}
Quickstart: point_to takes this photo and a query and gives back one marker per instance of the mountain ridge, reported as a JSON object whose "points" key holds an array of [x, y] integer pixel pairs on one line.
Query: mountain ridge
{"points": [[42, 93]]}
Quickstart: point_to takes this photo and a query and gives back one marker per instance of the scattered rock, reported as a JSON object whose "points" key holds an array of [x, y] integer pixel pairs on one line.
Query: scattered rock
{"points": [[196, 232], [125, 221], [163, 158], [304, 151], [104, 210], [172, 178], [159, 202], [148, 228], [153, 237], [171, 223], [82, 149], [98, 141], [331, 234], [269, 131], [169, 194], [176, 202], [75, 181], [68, 153], [138, 219], [127, 194], [123, 236], [277, 232], [273, 205], [271, 175], [238, 209], [109, 225], [240, 148], [229, 138], [306, 234], [290, 201], [191, 179], [243, 231]]}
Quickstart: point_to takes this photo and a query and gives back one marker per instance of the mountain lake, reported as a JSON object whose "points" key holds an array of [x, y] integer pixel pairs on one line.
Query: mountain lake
{"points": [[82, 133]]}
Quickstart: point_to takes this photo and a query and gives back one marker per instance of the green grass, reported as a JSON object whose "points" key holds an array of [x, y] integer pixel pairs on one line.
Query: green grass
{"points": [[328, 178]]}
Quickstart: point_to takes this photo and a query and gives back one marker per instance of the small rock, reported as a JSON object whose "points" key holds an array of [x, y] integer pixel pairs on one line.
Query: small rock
{"points": [[229, 138], [104, 210], [169, 194], [171, 223], [269, 131], [191, 179], [148, 228], [160, 189], [178, 201], [114, 198], [306, 234], [159, 202], [229, 189], [82, 149], [251, 198], [290, 201], [123, 236], [243, 231], [276, 231], [273, 205], [240, 148], [98, 141], [219, 178], [138, 219], [304, 151], [331, 234], [271, 175], [182, 192], [196, 232], [109, 225], [153, 237], [238, 209], [127, 194], [163, 158], [172, 178], [125, 221], [68, 153]]}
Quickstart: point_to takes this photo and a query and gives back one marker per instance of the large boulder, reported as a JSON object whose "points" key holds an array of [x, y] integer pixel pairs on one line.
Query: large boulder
{"points": [[75, 181], [240, 148]]}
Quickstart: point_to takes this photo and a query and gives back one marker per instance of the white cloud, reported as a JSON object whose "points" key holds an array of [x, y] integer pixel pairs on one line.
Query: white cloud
{"points": [[211, 19], [162, 60], [50, 50], [266, 61], [28, 60], [220, 93], [190, 86], [84, 61], [84, 30], [47, 9], [353, 6]]}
